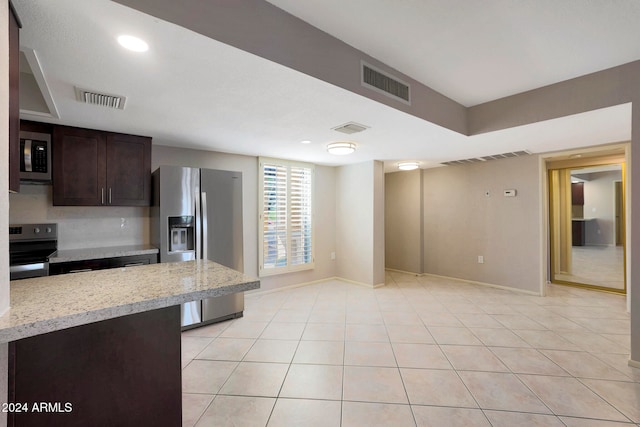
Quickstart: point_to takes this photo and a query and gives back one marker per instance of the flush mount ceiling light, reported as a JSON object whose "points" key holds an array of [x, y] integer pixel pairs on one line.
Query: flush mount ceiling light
{"points": [[133, 43], [408, 166], [341, 148], [306, 141]]}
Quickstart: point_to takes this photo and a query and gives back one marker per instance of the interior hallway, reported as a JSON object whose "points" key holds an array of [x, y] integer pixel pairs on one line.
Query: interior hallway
{"points": [[420, 351]]}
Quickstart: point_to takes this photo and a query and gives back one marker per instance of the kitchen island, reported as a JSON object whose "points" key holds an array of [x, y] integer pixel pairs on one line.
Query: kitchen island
{"points": [[103, 347]]}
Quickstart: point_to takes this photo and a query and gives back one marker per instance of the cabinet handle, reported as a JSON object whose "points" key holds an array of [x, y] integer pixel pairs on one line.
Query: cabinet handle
{"points": [[102, 196], [134, 264], [109, 195]]}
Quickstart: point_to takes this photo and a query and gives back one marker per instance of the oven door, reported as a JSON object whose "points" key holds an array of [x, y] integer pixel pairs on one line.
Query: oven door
{"points": [[24, 271], [30, 259]]}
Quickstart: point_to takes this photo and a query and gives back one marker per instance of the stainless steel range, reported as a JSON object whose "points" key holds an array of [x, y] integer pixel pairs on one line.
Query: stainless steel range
{"points": [[30, 246]]}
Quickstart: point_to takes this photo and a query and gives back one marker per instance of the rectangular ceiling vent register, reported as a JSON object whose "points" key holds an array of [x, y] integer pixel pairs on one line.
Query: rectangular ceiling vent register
{"points": [[102, 99], [386, 84], [487, 158], [351, 127]]}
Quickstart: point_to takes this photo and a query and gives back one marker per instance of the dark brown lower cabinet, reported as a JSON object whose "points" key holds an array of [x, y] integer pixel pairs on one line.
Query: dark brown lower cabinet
{"points": [[120, 372], [577, 233], [101, 264]]}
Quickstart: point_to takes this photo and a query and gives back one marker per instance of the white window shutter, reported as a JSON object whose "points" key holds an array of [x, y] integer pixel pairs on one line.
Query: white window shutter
{"points": [[286, 216]]}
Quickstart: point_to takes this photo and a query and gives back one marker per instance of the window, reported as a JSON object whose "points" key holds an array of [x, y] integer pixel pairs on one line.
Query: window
{"points": [[286, 217]]}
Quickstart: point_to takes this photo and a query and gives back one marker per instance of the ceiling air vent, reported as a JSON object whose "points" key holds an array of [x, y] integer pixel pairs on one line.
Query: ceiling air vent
{"points": [[487, 158], [103, 99], [351, 127], [382, 82]]}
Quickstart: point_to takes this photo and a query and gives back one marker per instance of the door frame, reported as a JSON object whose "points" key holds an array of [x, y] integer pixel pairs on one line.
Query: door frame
{"points": [[596, 156]]}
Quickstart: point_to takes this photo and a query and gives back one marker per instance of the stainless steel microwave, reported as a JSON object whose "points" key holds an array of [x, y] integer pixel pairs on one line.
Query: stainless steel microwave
{"points": [[35, 157]]}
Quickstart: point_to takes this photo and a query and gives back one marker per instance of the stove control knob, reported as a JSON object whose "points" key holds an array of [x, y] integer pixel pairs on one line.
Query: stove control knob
{"points": [[36, 230], [48, 230]]}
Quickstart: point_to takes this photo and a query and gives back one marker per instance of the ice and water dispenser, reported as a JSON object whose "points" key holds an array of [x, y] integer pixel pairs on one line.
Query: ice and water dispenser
{"points": [[181, 233]]}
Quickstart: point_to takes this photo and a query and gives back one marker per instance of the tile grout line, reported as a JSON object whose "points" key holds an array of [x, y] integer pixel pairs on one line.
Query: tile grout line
{"points": [[404, 386], [473, 299]]}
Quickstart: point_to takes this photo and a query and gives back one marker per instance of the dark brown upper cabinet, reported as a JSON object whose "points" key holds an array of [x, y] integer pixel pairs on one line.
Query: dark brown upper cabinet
{"points": [[96, 168], [577, 193], [128, 170], [14, 100]]}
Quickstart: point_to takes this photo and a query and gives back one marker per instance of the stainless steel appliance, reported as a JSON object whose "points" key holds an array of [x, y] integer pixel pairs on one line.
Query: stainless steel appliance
{"points": [[35, 157], [30, 246], [197, 214]]}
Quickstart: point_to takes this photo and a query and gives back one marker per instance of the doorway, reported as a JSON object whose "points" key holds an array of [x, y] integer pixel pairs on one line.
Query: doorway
{"points": [[587, 223]]}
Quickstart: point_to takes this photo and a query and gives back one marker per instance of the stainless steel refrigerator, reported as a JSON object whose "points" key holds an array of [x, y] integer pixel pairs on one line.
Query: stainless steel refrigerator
{"points": [[197, 214]]}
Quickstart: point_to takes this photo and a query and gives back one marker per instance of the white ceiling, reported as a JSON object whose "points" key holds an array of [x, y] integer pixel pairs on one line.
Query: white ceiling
{"points": [[191, 91], [477, 51]]}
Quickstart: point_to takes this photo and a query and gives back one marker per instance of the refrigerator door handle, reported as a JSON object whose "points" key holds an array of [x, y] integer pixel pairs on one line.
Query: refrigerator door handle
{"points": [[198, 233], [204, 226]]}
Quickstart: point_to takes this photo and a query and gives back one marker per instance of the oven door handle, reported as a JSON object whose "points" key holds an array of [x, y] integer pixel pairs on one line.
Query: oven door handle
{"points": [[26, 267]]}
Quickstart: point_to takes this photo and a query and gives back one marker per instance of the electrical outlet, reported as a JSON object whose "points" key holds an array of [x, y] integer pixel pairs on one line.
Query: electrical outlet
{"points": [[333, 255], [480, 259]]}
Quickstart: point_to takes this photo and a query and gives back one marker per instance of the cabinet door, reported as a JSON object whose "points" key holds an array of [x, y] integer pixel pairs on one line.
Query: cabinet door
{"points": [[78, 266], [79, 166], [14, 101], [128, 170], [577, 193], [133, 260]]}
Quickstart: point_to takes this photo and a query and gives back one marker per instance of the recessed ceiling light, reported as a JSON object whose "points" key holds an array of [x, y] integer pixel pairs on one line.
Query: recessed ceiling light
{"points": [[133, 43], [306, 141], [408, 166], [341, 148]]}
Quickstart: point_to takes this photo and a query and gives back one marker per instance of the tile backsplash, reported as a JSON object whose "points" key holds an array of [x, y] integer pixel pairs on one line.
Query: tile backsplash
{"points": [[80, 226]]}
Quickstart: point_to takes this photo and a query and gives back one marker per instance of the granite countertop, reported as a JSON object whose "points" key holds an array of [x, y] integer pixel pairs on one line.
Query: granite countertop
{"points": [[47, 304], [100, 253]]}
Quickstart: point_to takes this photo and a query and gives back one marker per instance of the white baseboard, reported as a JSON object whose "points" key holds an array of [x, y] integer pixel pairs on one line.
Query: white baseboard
{"points": [[395, 270], [288, 287], [379, 285], [634, 364], [299, 285], [355, 282], [474, 282]]}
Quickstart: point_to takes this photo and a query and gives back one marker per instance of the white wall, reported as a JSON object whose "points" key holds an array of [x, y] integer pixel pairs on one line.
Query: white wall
{"points": [[444, 217], [80, 226], [378, 224], [324, 210], [599, 203], [89, 226], [461, 222], [403, 221], [360, 222]]}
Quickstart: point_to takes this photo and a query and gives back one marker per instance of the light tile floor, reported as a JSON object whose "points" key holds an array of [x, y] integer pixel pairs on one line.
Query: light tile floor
{"points": [[420, 351], [596, 265]]}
